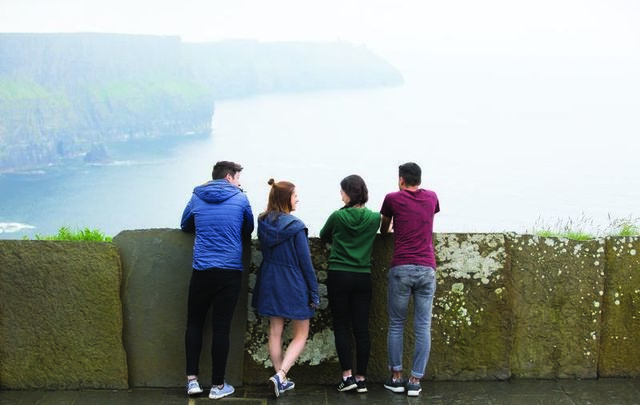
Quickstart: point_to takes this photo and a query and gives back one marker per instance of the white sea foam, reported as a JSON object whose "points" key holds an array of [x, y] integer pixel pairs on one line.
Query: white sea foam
{"points": [[124, 163], [10, 227]]}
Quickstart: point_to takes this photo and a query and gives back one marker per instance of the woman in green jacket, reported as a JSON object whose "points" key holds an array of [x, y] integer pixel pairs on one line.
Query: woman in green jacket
{"points": [[351, 231]]}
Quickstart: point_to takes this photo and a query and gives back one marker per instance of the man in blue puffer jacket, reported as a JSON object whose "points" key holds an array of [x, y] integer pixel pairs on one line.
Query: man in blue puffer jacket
{"points": [[220, 215]]}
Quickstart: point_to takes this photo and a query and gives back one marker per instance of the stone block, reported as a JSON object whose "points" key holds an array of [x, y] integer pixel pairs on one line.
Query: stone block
{"points": [[472, 326], [61, 316], [620, 340], [558, 287], [157, 267]]}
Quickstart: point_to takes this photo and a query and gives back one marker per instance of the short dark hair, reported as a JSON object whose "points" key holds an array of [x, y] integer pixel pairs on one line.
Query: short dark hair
{"points": [[411, 173], [356, 189], [223, 167]]}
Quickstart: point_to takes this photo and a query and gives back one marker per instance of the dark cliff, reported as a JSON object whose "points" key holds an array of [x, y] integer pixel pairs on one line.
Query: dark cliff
{"points": [[62, 95]]}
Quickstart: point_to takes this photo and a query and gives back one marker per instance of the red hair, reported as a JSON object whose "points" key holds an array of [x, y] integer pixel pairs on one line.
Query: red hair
{"points": [[279, 197]]}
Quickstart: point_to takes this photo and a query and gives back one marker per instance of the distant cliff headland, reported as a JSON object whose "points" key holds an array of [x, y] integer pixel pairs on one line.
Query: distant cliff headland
{"points": [[67, 95]]}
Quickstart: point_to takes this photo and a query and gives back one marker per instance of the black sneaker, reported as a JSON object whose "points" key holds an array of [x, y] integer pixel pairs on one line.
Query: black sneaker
{"points": [[395, 385], [413, 389], [362, 386], [348, 384]]}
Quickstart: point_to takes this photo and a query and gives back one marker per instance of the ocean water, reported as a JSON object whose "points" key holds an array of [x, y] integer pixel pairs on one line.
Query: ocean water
{"points": [[502, 154]]}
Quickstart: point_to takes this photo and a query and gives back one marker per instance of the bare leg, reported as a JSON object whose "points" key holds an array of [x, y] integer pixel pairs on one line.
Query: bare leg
{"points": [[300, 334], [276, 326]]}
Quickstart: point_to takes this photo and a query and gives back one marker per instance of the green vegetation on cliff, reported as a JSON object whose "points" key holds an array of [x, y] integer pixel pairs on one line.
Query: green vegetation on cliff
{"points": [[63, 94]]}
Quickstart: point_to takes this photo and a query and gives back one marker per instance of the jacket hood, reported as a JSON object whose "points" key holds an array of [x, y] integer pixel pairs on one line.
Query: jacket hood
{"points": [[216, 191], [358, 220], [277, 228]]}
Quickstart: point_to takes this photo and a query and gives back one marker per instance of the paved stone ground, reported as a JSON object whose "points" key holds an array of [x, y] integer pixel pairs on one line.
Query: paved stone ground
{"points": [[615, 391]]}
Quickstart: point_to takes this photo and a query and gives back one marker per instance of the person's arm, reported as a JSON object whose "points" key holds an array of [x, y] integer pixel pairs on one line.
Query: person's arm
{"points": [[385, 225], [326, 233], [247, 223], [386, 214], [188, 223], [301, 244]]}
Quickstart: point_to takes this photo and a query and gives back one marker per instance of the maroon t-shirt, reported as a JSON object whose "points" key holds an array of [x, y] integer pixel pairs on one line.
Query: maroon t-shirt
{"points": [[412, 213]]}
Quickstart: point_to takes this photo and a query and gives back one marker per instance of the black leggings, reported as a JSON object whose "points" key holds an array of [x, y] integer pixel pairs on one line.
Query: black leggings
{"points": [[350, 301], [220, 288]]}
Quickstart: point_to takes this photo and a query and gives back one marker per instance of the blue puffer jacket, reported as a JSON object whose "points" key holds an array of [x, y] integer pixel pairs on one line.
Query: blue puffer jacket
{"points": [[286, 284], [220, 215]]}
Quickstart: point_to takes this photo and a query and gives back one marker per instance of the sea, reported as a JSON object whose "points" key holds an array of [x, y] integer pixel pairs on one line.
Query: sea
{"points": [[506, 151]]}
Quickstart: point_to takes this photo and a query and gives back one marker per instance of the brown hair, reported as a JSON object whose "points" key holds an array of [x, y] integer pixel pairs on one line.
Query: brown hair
{"points": [[279, 197]]}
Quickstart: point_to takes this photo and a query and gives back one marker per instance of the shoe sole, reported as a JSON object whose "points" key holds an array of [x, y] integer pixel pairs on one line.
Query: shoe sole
{"points": [[361, 390], [348, 388], [414, 393], [274, 385], [397, 390]]}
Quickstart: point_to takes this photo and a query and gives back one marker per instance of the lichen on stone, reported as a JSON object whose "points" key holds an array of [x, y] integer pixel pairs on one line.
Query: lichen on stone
{"points": [[462, 259]]}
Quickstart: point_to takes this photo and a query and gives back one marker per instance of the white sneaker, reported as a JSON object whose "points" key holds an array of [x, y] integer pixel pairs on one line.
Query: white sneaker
{"points": [[217, 393], [193, 387]]}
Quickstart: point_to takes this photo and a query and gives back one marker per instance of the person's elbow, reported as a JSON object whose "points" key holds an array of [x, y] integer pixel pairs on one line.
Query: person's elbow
{"points": [[188, 225], [385, 225], [326, 238]]}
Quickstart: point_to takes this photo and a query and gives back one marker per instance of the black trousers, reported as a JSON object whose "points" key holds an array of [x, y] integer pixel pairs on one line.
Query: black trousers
{"points": [[350, 302], [218, 288]]}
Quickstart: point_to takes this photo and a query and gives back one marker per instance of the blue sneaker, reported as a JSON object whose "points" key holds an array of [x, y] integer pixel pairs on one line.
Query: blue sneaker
{"points": [[286, 386], [193, 387], [217, 393], [275, 384]]}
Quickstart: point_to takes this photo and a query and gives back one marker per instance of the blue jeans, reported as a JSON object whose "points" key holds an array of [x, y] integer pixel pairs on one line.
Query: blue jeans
{"points": [[404, 281]]}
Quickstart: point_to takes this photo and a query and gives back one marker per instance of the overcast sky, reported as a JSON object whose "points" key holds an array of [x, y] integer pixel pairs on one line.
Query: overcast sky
{"points": [[545, 27], [546, 70]]}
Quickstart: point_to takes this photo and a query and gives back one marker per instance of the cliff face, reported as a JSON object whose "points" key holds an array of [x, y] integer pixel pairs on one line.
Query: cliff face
{"points": [[62, 94]]}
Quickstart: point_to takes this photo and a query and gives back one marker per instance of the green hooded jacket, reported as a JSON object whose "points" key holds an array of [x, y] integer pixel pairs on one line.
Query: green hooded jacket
{"points": [[351, 232]]}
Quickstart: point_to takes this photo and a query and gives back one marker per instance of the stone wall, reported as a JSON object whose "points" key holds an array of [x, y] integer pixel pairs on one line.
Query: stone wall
{"points": [[506, 306], [61, 316]]}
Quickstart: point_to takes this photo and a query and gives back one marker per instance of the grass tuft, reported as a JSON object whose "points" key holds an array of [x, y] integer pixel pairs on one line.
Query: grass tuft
{"points": [[624, 226], [86, 234], [583, 228]]}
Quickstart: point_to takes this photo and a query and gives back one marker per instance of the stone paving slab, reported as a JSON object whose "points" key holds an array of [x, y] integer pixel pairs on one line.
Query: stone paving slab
{"points": [[518, 392]]}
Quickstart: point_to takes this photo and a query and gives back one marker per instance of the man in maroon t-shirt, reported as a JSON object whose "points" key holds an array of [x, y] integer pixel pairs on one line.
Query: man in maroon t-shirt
{"points": [[412, 272]]}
